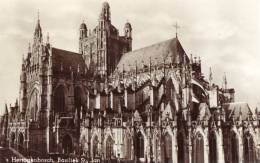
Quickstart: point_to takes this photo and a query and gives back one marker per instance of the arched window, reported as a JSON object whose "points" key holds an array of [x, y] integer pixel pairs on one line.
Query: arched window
{"points": [[95, 147], [156, 152], [12, 140], [213, 147], [67, 144], [109, 148], [169, 90], [198, 149], [59, 100], [167, 148], [78, 97], [128, 146], [249, 149], [234, 148], [20, 142], [181, 148], [33, 105], [139, 145]]}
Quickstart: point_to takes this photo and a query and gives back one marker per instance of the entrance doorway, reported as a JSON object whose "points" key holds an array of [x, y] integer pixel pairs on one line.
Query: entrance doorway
{"points": [[67, 144]]}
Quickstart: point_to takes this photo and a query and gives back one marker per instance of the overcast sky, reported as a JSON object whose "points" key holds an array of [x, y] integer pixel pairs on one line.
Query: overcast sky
{"points": [[225, 34]]}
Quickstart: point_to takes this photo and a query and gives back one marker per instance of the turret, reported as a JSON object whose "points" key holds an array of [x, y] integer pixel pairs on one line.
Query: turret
{"points": [[128, 30], [22, 93], [6, 110], [229, 93], [105, 12], [210, 77], [83, 33], [128, 35]]}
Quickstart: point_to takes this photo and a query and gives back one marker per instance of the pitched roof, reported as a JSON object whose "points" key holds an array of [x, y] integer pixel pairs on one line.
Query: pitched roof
{"points": [[235, 108], [169, 50], [66, 59]]}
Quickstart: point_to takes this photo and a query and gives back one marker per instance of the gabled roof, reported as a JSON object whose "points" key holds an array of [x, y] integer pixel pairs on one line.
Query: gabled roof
{"points": [[235, 108], [66, 59], [168, 112], [169, 50]]}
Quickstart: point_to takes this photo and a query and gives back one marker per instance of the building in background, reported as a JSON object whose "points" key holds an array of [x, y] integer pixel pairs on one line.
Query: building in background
{"points": [[108, 102]]}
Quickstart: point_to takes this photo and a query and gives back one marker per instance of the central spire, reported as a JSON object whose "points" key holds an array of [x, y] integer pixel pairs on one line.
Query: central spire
{"points": [[38, 29]]}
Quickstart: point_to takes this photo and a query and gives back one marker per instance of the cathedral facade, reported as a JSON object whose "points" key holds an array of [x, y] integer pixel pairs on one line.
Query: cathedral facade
{"points": [[107, 102]]}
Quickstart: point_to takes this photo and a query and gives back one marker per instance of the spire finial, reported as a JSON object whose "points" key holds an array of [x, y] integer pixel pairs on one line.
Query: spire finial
{"points": [[29, 47], [6, 109], [48, 38], [38, 16], [136, 69], [150, 67], [210, 76], [225, 81], [176, 26]]}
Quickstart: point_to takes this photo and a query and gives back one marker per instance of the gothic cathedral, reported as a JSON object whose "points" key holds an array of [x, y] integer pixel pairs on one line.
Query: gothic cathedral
{"points": [[110, 103]]}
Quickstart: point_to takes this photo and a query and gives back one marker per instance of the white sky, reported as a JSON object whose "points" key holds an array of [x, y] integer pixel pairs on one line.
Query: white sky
{"points": [[225, 34]]}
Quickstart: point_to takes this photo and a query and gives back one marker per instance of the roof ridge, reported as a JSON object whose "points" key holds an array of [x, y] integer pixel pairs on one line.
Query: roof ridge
{"points": [[65, 50], [157, 43]]}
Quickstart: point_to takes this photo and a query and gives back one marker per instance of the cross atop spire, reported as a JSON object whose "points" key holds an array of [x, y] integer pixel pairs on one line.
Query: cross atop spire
{"points": [[38, 16], [225, 81], [176, 26]]}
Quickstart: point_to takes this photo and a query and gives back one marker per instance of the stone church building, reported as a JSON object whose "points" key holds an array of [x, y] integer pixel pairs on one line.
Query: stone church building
{"points": [[108, 102]]}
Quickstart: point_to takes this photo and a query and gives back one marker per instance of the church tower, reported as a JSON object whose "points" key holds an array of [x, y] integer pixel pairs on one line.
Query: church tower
{"points": [[102, 34], [128, 34], [83, 34], [103, 47]]}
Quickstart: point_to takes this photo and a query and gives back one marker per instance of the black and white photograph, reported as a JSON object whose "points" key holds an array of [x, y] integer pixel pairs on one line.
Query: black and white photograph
{"points": [[129, 81]]}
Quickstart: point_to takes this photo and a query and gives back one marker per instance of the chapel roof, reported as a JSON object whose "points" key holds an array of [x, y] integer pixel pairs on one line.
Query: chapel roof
{"points": [[67, 60], [169, 50], [236, 107]]}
